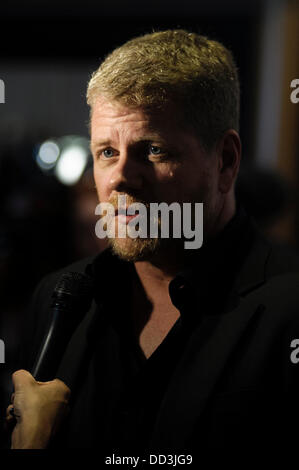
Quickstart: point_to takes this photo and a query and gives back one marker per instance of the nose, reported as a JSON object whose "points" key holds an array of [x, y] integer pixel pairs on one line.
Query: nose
{"points": [[127, 175]]}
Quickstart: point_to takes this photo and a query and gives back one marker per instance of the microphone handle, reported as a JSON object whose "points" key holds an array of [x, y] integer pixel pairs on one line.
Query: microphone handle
{"points": [[52, 346], [51, 351]]}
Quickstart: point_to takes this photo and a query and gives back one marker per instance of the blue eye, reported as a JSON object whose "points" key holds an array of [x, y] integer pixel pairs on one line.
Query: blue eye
{"points": [[108, 153], [155, 150]]}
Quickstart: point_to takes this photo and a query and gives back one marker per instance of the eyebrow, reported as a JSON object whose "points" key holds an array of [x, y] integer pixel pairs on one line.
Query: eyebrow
{"points": [[100, 143], [108, 142]]}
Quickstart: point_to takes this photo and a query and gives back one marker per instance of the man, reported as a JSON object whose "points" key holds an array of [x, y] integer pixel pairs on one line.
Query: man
{"points": [[181, 349]]}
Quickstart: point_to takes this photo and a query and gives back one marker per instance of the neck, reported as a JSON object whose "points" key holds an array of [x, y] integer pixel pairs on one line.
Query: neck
{"points": [[158, 269], [165, 265], [226, 213]]}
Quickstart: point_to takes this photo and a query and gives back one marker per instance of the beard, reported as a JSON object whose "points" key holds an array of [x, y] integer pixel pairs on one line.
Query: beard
{"points": [[128, 248], [134, 249], [143, 247]]}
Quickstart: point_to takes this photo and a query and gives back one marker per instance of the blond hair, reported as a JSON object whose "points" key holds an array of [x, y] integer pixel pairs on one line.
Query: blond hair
{"points": [[197, 74]]}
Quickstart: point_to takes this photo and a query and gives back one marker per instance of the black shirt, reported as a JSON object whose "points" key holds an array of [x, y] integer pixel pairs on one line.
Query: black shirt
{"points": [[120, 391]]}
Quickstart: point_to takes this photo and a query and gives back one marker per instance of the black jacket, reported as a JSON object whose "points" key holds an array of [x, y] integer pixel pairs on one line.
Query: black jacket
{"points": [[232, 387]]}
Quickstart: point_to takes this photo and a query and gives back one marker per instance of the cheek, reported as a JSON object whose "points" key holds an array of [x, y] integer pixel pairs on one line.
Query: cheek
{"points": [[185, 184], [169, 183], [168, 172], [102, 184]]}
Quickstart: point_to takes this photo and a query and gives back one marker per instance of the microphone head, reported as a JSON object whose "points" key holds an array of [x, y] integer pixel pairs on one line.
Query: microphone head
{"points": [[74, 290]]}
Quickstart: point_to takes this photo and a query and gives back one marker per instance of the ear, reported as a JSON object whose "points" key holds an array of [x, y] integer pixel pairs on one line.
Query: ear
{"points": [[229, 156]]}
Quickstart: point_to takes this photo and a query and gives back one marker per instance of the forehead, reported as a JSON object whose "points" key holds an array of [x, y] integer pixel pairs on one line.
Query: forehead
{"points": [[113, 122], [108, 113]]}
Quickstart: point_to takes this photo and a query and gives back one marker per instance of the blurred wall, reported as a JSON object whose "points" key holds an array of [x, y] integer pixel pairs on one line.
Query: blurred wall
{"points": [[45, 95]]}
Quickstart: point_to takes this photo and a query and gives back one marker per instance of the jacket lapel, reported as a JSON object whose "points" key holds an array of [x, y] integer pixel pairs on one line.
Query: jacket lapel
{"points": [[74, 358], [201, 366], [207, 353], [82, 341]]}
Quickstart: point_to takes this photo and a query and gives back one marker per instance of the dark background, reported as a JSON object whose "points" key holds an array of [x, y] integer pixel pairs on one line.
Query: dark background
{"points": [[47, 53]]}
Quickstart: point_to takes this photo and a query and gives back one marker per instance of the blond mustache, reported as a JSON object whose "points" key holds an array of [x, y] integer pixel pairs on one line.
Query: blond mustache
{"points": [[129, 200]]}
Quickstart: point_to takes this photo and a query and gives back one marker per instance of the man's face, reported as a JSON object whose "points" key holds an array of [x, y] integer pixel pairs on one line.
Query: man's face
{"points": [[150, 158]]}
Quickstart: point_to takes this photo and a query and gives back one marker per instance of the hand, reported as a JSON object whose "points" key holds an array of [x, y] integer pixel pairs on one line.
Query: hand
{"points": [[39, 409]]}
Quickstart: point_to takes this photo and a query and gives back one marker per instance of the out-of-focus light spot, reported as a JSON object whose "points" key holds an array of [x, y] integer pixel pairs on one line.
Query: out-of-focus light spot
{"points": [[49, 152], [47, 155], [71, 164], [65, 157]]}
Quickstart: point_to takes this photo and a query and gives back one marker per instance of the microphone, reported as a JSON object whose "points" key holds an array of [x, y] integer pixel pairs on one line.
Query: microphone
{"points": [[71, 299]]}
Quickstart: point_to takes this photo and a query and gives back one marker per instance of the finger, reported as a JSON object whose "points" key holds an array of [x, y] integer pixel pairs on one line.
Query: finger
{"points": [[8, 411], [11, 412], [21, 378], [62, 386], [57, 384], [10, 421]]}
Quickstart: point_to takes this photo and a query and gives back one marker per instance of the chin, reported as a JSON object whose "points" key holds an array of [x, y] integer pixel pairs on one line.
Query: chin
{"points": [[137, 249]]}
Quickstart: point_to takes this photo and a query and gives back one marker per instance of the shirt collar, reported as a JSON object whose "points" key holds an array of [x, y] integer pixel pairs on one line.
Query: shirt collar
{"points": [[214, 267], [208, 277]]}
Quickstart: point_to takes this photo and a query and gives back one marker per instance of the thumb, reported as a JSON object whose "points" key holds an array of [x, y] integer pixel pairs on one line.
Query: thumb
{"points": [[22, 378]]}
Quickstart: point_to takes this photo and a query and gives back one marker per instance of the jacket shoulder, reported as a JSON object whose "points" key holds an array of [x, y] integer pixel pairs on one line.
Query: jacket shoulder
{"points": [[282, 259], [37, 315]]}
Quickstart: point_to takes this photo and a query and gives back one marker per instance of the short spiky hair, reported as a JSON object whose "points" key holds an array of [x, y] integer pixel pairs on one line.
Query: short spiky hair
{"points": [[197, 74]]}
